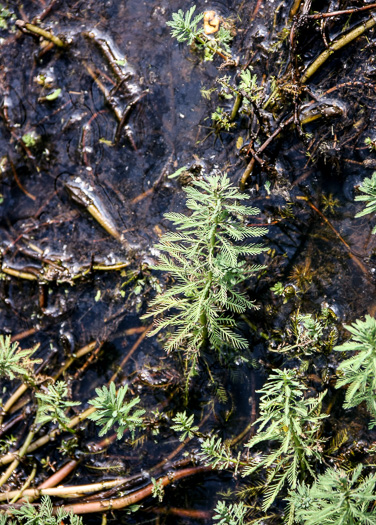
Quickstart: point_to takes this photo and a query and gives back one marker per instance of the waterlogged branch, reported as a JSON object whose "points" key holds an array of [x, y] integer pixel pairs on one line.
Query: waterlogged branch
{"points": [[64, 492], [25, 485], [24, 387], [8, 458], [319, 16], [359, 263], [135, 497], [256, 154], [35, 30], [23, 450], [335, 46], [56, 478]]}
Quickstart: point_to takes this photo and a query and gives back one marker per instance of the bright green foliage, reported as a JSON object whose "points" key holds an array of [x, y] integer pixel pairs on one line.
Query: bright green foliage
{"points": [[15, 362], [309, 334], [157, 490], [359, 371], [30, 139], [368, 187], [184, 424], [335, 498], [293, 423], [370, 143], [221, 120], [4, 14], [230, 514], [112, 409], [204, 261], [217, 454], [43, 515], [184, 27], [52, 404], [248, 84]]}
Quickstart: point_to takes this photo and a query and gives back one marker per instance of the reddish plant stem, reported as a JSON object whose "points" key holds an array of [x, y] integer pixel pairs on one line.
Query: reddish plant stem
{"points": [[256, 10], [23, 335], [352, 256], [184, 513], [59, 475], [4, 429], [131, 352], [318, 16], [56, 478], [16, 178], [130, 499], [256, 154]]}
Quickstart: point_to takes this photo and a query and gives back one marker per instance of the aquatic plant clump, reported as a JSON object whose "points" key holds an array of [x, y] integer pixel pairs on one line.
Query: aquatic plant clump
{"points": [[368, 187], [335, 497], [204, 261], [358, 372], [293, 423]]}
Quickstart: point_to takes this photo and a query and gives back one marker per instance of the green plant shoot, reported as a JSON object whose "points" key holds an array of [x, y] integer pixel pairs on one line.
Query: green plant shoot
{"points": [[368, 187], [359, 371], [336, 497], [15, 362], [112, 409], [203, 259], [293, 423]]}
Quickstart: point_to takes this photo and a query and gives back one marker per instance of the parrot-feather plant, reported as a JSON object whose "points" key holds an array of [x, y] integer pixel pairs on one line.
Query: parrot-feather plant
{"points": [[203, 259]]}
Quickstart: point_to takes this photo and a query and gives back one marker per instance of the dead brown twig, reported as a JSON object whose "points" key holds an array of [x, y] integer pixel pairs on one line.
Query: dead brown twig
{"points": [[354, 10]]}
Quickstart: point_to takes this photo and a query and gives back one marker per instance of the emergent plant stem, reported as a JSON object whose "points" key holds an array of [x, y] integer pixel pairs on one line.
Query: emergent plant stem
{"points": [[12, 467]]}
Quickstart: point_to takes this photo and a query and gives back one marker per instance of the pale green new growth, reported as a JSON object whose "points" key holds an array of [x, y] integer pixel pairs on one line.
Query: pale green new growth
{"points": [[335, 498], [13, 361], [112, 409], [185, 29], [157, 490], [248, 84], [230, 514], [217, 454], [203, 259], [184, 424], [368, 187], [52, 404], [42, 515], [292, 422], [359, 371]]}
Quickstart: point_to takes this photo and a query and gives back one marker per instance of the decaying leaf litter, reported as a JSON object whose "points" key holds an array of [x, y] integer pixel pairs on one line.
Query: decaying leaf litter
{"points": [[90, 130]]}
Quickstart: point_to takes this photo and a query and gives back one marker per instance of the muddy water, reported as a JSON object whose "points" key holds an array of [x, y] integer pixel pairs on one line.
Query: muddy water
{"points": [[129, 113]]}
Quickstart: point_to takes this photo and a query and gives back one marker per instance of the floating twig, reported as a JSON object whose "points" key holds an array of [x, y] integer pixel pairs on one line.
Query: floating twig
{"points": [[131, 352], [139, 495], [35, 30], [256, 154], [8, 458], [25, 486], [335, 46], [338, 235], [16, 178], [354, 10], [73, 491]]}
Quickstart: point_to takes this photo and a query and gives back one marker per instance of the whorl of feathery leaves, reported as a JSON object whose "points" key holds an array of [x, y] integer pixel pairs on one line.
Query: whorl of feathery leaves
{"points": [[52, 404], [292, 423], [184, 27], [359, 371], [203, 259], [336, 497], [368, 187], [112, 409], [14, 361]]}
